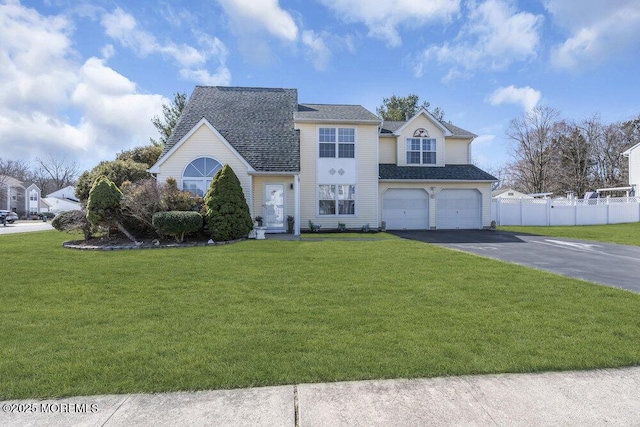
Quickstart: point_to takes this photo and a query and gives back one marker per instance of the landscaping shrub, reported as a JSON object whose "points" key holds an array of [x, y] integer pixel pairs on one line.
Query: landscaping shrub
{"points": [[140, 200], [174, 199], [103, 206], [71, 221], [227, 212], [177, 223]]}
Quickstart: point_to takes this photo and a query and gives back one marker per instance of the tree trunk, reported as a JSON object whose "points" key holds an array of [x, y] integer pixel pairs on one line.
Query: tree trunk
{"points": [[125, 232]]}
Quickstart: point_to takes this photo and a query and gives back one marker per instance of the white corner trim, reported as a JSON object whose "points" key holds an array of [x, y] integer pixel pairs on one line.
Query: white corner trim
{"points": [[156, 167], [430, 117]]}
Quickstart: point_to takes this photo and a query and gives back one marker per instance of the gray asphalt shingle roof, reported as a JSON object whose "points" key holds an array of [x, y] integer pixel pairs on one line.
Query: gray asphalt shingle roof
{"points": [[257, 122], [388, 171], [333, 112]]}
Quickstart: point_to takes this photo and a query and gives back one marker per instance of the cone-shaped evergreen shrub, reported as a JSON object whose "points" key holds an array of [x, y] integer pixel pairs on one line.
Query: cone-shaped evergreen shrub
{"points": [[104, 201], [227, 212]]}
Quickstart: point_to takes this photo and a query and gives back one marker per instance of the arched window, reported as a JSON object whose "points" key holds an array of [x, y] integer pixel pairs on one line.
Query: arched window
{"points": [[198, 175]]}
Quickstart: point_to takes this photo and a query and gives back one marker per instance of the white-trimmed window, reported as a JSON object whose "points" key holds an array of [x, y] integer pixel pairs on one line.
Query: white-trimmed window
{"points": [[337, 142], [198, 174], [337, 199], [421, 151], [33, 195]]}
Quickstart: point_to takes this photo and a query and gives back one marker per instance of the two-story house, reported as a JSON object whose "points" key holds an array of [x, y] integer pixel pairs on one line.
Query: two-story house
{"points": [[633, 154], [328, 164]]}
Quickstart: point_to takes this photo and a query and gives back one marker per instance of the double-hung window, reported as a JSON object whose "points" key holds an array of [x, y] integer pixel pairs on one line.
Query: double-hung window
{"points": [[337, 199], [421, 151], [344, 138]]}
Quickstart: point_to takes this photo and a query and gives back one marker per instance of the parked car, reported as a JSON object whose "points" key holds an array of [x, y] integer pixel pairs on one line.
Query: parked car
{"points": [[10, 216]]}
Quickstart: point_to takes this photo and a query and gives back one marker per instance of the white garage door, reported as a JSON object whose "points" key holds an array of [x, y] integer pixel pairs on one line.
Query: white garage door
{"points": [[405, 209], [459, 209]]}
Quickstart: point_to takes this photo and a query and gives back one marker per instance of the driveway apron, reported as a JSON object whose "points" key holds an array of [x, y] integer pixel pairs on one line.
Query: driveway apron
{"points": [[603, 263]]}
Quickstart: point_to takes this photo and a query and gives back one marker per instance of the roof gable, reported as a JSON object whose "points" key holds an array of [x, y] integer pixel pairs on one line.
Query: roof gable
{"points": [[429, 117], [395, 127]]}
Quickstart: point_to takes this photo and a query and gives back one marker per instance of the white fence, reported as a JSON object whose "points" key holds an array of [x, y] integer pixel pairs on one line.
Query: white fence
{"points": [[610, 210]]}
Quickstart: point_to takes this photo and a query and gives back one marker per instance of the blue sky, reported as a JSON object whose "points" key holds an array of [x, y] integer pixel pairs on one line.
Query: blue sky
{"points": [[82, 80]]}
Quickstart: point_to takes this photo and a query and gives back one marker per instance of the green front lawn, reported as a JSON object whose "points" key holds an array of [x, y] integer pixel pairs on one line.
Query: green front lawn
{"points": [[624, 234], [259, 313]]}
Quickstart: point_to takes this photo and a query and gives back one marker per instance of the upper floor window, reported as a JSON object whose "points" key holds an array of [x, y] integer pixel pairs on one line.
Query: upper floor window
{"points": [[337, 142], [33, 195], [421, 151], [198, 175]]}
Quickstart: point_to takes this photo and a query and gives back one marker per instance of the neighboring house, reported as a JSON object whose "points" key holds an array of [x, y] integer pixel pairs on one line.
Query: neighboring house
{"points": [[633, 154], [66, 193], [328, 164], [510, 193], [11, 194], [62, 200], [19, 197]]}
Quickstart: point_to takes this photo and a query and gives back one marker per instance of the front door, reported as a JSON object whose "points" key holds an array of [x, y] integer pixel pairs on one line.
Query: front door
{"points": [[274, 215]]}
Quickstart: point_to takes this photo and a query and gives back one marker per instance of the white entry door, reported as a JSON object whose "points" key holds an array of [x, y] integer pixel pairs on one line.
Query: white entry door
{"points": [[274, 215]]}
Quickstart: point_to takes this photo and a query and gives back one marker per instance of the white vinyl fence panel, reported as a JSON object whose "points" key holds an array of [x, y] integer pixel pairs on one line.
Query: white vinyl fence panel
{"points": [[544, 212]]}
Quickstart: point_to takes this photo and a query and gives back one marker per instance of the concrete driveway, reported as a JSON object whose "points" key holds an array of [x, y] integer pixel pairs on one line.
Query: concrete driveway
{"points": [[603, 263]]}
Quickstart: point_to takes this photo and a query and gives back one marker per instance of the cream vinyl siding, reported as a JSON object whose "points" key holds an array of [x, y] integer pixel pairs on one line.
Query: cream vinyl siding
{"points": [[388, 150], [457, 152], [366, 152], [434, 132], [204, 143], [258, 193], [484, 188]]}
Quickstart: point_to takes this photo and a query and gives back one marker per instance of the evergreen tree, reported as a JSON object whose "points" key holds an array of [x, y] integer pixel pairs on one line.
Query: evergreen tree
{"points": [[171, 114], [227, 212], [103, 206], [404, 107]]}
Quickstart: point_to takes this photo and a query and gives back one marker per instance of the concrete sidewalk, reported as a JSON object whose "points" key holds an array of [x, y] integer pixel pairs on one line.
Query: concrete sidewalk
{"points": [[586, 398]]}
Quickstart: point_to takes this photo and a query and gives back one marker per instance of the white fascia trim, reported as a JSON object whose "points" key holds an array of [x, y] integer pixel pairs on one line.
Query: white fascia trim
{"points": [[156, 167], [628, 152], [430, 117], [262, 173]]}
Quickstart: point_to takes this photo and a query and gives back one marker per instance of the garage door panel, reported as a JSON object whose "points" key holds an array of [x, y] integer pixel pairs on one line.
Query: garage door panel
{"points": [[459, 208], [405, 209]]}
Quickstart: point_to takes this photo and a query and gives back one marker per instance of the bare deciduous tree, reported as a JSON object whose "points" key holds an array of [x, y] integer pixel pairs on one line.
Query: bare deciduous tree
{"points": [[573, 163], [532, 153], [53, 173]]}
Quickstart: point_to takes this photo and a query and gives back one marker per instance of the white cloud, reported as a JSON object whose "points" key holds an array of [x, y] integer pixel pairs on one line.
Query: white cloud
{"points": [[599, 30], [52, 103], [383, 17], [249, 17], [319, 53], [123, 28], [494, 36], [222, 77], [526, 96]]}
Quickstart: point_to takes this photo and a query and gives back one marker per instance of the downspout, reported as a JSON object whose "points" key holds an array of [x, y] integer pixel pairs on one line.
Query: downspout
{"points": [[296, 205]]}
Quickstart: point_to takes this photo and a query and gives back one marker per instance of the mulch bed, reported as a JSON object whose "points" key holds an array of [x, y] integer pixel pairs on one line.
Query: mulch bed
{"points": [[120, 243]]}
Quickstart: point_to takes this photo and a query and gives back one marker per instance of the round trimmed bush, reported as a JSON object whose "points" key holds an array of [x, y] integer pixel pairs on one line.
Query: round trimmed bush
{"points": [[177, 223]]}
